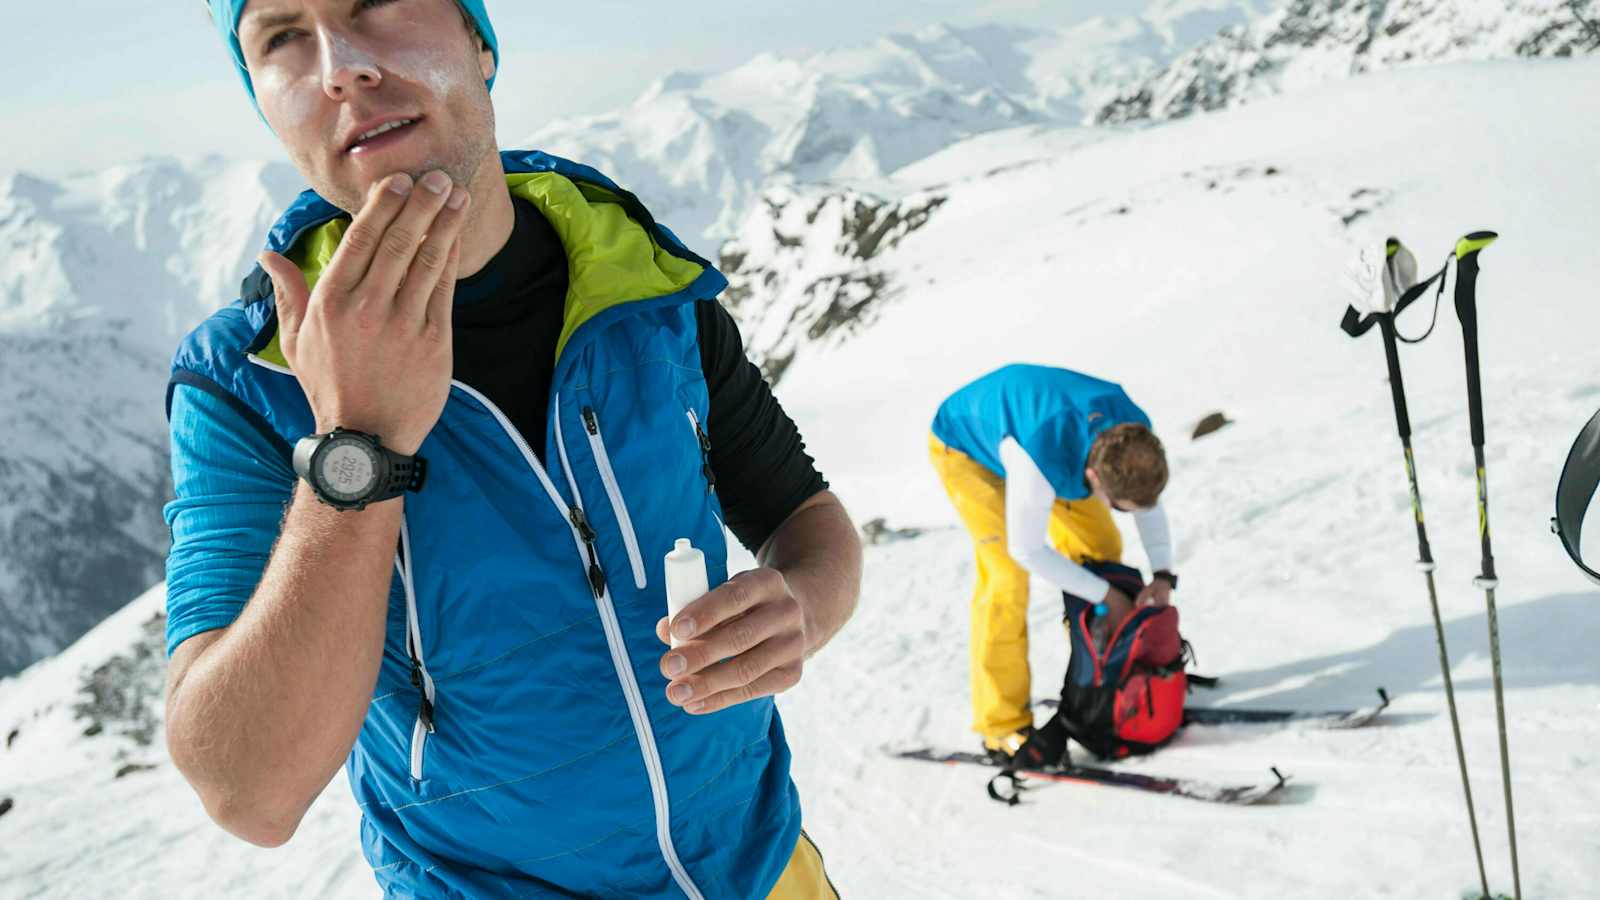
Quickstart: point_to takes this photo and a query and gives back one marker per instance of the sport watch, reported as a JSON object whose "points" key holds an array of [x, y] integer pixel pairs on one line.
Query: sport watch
{"points": [[1168, 577], [350, 469]]}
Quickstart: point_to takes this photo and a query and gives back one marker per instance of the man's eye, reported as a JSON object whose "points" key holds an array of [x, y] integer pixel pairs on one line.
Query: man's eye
{"points": [[277, 41]]}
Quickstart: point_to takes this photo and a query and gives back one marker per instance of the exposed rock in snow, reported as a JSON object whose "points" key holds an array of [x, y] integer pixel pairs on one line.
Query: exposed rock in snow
{"points": [[802, 273]]}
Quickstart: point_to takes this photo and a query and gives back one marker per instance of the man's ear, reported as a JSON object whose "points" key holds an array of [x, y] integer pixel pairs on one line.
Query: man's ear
{"points": [[485, 59]]}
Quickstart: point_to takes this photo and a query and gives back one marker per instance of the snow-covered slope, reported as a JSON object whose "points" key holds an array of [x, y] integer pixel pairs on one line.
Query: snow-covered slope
{"points": [[1201, 263], [100, 274], [699, 147], [1309, 42], [84, 764]]}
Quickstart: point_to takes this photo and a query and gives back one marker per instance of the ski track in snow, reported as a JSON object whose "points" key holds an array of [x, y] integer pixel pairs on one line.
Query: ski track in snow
{"points": [[1293, 527]]}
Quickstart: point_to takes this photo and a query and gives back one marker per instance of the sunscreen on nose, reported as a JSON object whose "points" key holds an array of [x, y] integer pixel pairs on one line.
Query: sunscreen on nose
{"points": [[686, 579]]}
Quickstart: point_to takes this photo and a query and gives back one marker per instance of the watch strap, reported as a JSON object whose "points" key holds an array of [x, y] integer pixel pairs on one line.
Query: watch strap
{"points": [[1164, 575], [406, 474]]}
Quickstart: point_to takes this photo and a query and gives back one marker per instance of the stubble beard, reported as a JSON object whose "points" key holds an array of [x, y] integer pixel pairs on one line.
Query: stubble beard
{"points": [[461, 160]]}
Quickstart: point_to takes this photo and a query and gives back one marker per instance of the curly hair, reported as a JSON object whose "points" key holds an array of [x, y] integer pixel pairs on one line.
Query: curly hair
{"points": [[1131, 463]]}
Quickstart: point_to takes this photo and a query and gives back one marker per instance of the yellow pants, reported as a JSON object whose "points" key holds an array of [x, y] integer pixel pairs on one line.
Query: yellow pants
{"points": [[1081, 530], [804, 878]]}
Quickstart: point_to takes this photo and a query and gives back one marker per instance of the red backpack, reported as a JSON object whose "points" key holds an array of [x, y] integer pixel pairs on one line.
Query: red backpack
{"points": [[1124, 693]]}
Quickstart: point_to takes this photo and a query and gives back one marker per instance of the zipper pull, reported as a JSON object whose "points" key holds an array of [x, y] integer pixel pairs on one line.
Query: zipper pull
{"points": [[585, 530], [425, 709], [597, 575], [705, 453], [590, 421]]}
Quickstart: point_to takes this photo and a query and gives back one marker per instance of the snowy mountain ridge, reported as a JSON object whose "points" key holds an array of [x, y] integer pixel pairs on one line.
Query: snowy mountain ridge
{"points": [[801, 271], [102, 274], [1309, 42], [700, 147]]}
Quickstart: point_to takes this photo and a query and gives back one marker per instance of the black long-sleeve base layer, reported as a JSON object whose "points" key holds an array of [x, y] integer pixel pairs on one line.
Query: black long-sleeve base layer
{"points": [[507, 322]]}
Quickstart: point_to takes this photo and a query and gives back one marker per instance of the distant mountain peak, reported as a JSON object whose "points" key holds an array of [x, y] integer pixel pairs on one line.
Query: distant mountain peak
{"points": [[894, 100], [1308, 42]]}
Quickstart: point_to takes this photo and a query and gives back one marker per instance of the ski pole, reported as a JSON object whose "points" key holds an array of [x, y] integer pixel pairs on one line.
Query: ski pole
{"points": [[1355, 326], [1467, 250]]}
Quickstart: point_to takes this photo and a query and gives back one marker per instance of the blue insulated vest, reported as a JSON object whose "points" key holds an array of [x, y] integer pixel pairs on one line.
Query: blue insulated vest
{"points": [[1054, 414], [519, 741]]}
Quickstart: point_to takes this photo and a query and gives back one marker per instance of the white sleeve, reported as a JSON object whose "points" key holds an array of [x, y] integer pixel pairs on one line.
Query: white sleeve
{"points": [[1029, 502], [1156, 535]]}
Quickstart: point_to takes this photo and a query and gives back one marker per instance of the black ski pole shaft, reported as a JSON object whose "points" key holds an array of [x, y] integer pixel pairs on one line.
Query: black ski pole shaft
{"points": [[1425, 563], [1467, 250]]}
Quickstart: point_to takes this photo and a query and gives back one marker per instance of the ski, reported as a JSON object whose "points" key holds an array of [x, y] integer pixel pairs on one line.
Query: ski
{"points": [[1333, 720], [1194, 789]]}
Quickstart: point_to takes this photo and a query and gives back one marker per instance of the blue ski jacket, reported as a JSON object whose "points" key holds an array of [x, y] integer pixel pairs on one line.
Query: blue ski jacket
{"points": [[1054, 414], [519, 742]]}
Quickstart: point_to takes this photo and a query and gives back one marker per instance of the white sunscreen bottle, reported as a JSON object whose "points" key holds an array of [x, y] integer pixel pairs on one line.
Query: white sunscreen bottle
{"points": [[686, 579]]}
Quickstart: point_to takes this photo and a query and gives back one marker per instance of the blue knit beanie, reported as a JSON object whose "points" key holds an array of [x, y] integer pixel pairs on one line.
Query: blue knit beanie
{"points": [[226, 13]]}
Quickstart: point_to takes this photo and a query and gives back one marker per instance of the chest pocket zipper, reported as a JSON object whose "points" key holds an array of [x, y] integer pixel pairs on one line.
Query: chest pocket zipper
{"points": [[608, 476], [704, 442]]}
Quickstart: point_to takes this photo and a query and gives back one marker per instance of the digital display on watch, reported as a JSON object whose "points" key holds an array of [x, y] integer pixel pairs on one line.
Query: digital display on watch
{"points": [[348, 469]]}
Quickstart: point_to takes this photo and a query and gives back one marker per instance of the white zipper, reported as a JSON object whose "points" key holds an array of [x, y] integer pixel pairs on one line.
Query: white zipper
{"points": [[282, 370], [613, 629], [419, 672], [591, 424]]}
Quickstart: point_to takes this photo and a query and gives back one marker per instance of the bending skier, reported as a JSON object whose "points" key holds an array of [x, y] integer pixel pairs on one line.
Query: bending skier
{"points": [[1034, 459]]}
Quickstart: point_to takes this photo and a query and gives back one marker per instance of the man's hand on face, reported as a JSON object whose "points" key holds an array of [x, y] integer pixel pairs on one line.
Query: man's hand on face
{"points": [[1156, 593], [745, 639], [371, 345]]}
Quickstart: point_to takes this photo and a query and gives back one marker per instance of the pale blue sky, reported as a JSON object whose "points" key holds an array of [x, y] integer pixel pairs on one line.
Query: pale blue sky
{"points": [[92, 82]]}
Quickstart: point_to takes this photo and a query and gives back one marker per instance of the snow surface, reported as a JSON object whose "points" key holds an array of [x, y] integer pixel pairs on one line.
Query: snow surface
{"points": [[1200, 263]]}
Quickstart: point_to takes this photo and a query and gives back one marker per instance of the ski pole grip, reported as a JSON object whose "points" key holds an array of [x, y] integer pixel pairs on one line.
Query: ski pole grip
{"points": [[1467, 250]]}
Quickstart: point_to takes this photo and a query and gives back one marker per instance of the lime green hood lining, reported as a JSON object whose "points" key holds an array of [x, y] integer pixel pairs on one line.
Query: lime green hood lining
{"points": [[611, 259]]}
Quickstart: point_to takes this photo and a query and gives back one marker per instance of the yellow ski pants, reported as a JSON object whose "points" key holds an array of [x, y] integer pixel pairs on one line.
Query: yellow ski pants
{"points": [[804, 878], [1082, 530]]}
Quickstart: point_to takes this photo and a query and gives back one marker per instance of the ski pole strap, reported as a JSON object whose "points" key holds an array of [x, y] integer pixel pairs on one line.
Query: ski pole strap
{"points": [[1579, 478], [1356, 325], [1011, 796], [1411, 296]]}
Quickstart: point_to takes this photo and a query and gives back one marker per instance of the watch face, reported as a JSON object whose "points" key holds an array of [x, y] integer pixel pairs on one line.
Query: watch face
{"points": [[347, 469]]}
